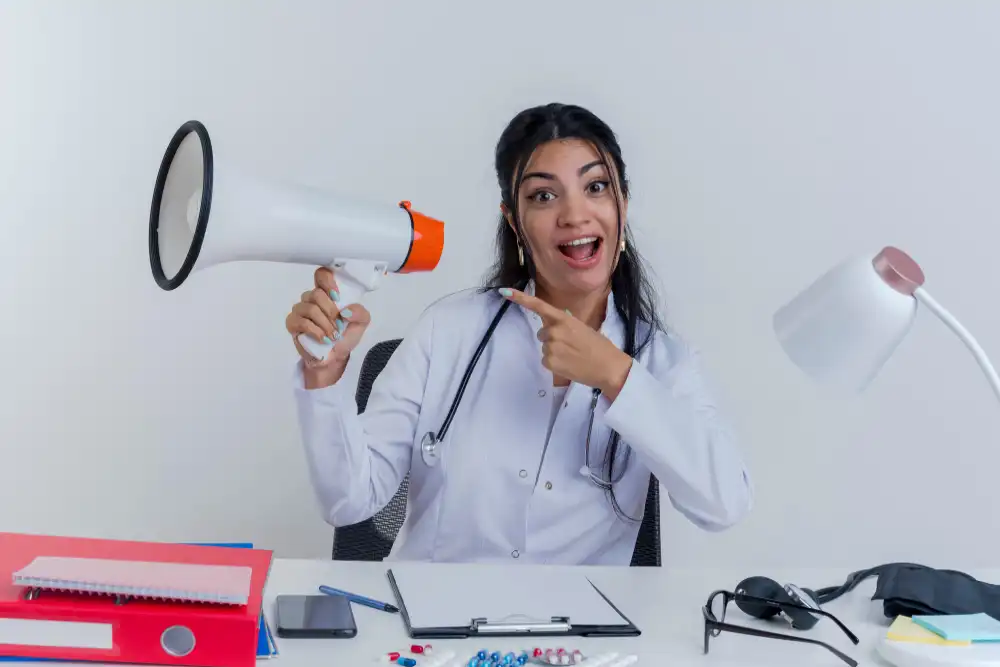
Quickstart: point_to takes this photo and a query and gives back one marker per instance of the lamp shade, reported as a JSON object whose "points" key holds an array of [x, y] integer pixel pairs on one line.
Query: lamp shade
{"points": [[843, 327]]}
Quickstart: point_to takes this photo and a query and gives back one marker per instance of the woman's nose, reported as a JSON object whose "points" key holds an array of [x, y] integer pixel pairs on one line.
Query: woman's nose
{"points": [[574, 211]]}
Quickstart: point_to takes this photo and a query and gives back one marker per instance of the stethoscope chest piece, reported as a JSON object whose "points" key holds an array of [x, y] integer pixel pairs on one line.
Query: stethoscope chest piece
{"points": [[429, 443], [429, 450]]}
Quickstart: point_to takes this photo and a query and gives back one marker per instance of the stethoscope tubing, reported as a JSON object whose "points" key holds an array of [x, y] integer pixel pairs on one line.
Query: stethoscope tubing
{"points": [[429, 443], [468, 370]]}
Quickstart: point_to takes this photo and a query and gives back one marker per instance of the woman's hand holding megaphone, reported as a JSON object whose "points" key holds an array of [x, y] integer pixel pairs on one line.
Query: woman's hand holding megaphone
{"points": [[318, 316]]}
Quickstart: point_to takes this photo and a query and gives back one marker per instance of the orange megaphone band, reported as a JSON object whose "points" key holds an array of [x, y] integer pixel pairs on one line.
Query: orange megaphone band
{"points": [[426, 243]]}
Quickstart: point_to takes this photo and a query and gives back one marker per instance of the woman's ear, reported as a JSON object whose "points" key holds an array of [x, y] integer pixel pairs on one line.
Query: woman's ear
{"points": [[507, 216], [624, 217]]}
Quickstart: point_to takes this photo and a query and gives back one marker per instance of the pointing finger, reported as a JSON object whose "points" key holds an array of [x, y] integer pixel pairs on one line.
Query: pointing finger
{"points": [[533, 304]]}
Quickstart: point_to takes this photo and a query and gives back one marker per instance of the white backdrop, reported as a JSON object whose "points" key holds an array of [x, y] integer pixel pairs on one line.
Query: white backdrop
{"points": [[766, 140]]}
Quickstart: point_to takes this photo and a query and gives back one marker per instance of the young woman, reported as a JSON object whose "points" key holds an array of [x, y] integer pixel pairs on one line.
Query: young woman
{"points": [[578, 394]]}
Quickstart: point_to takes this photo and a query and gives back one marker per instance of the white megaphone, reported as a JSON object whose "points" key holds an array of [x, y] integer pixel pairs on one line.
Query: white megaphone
{"points": [[255, 220]]}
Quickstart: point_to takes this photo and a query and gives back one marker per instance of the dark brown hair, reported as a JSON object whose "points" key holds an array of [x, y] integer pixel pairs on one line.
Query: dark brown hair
{"points": [[634, 295]]}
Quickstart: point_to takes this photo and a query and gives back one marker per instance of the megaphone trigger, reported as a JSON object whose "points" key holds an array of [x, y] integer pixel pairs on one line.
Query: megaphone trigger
{"points": [[205, 212], [355, 278]]}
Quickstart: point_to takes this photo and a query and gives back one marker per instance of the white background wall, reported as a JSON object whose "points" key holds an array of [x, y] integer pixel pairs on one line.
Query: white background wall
{"points": [[766, 140]]}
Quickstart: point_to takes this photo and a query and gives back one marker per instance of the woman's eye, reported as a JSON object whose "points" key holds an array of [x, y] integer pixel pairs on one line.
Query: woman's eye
{"points": [[598, 186], [542, 196]]}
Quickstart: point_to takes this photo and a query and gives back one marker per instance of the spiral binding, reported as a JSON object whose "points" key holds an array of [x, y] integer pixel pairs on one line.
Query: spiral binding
{"points": [[161, 583], [36, 586]]}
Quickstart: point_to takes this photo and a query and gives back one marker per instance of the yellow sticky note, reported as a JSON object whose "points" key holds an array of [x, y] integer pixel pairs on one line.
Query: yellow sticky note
{"points": [[903, 629]]}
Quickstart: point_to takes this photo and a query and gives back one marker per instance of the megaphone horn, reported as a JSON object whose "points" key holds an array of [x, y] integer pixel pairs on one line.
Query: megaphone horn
{"points": [[255, 220]]}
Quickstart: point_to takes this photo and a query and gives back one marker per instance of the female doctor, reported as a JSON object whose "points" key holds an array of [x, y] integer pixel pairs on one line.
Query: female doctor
{"points": [[577, 393]]}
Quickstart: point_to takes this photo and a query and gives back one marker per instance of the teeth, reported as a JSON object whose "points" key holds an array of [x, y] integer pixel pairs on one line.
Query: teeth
{"points": [[583, 241]]}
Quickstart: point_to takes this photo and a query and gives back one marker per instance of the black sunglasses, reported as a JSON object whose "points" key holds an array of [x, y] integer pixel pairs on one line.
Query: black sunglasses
{"points": [[714, 625]]}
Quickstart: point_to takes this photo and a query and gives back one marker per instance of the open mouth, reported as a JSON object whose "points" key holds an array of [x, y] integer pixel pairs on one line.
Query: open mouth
{"points": [[582, 249]]}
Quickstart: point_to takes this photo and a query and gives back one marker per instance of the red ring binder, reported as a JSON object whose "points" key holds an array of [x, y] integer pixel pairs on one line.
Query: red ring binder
{"points": [[78, 625]]}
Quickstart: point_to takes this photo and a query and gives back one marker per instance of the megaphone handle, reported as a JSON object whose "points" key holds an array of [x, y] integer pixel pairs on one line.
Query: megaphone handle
{"points": [[355, 278]]}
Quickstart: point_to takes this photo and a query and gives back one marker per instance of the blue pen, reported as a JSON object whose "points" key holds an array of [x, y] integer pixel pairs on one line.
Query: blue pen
{"points": [[360, 599]]}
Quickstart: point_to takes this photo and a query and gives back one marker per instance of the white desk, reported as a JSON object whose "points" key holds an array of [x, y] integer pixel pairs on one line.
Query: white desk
{"points": [[665, 604]]}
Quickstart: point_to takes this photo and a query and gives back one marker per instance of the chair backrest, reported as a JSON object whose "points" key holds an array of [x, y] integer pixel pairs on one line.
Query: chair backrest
{"points": [[647, 542], [372, 538]]}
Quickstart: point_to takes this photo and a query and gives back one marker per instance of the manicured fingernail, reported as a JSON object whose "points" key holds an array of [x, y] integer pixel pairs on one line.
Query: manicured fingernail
{"points": [[341, 324], [567, 312], [326, 339], [346, 312], [335, 295], [505, 291], [337, 335]]}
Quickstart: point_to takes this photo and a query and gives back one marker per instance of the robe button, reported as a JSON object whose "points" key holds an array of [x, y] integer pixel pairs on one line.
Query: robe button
{"points": [[541, 392]]}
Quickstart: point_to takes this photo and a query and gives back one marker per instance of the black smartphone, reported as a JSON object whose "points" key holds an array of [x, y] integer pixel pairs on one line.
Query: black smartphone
{"points": [[316, 616]]}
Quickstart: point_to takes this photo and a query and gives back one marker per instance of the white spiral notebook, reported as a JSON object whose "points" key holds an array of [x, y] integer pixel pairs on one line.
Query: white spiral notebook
{"points": [[186, 582]]}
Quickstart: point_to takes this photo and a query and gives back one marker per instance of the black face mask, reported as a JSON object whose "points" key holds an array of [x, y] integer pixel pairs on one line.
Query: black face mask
{"points": [[908, 589]]}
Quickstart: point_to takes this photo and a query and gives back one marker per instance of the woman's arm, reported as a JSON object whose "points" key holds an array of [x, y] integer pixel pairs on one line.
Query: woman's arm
{"points": [[666, 413], [357, 462]]}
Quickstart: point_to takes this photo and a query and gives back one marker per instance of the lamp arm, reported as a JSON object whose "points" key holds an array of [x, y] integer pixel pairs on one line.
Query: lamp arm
{"points": [[923, 297]]}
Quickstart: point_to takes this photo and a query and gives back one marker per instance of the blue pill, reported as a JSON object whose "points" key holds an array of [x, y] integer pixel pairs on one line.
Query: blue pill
{"points": [[523, 658], [495, 656], [481, 655], [406, 662], [474, 661]]}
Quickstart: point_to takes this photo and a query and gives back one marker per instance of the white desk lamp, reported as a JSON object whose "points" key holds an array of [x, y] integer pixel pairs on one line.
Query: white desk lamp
{"points": [[841, 330]]}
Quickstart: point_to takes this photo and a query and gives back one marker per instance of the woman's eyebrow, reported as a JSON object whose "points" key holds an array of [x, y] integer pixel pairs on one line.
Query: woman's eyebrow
{"points": [[549, 177]]}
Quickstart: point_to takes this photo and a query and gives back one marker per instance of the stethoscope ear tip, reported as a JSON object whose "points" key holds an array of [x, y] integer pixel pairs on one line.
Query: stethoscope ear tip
{"points": [[585, 471]]}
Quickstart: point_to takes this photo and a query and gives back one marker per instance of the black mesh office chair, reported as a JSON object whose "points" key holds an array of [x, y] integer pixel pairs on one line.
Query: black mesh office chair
{"points": [[372, 539]]}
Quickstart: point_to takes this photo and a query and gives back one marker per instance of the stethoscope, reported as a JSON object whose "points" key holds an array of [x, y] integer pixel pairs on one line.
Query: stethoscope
{"points": [[429, 444]]}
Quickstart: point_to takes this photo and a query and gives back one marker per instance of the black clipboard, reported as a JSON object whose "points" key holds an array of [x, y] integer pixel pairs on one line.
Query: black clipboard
{"points": [[562, 626]]}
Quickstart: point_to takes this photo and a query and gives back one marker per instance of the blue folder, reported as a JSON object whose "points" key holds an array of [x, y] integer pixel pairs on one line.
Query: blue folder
{"points": [[266, 648]]}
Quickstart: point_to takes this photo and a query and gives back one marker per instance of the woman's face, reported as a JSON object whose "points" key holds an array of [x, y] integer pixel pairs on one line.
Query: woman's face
{"points": [[569, 216]]}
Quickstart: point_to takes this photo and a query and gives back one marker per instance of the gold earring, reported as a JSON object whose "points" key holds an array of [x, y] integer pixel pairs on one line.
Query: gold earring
{"points": [[520, 255]]}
